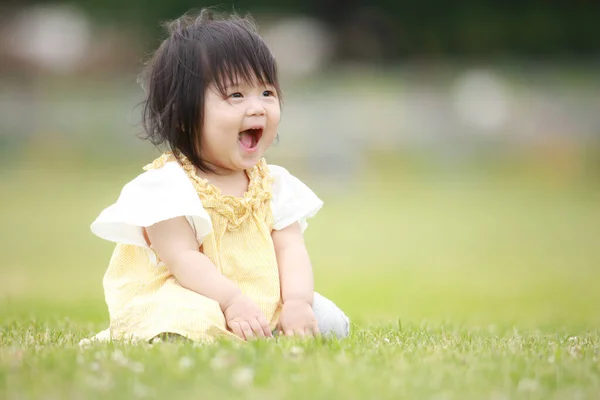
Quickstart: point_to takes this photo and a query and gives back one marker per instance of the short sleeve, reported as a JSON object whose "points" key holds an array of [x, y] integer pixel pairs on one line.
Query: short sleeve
{"points": [[292, 200], [154, 196]]}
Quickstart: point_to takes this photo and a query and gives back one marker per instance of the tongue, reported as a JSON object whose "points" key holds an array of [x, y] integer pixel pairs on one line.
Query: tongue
{"points": [[247, 139]]}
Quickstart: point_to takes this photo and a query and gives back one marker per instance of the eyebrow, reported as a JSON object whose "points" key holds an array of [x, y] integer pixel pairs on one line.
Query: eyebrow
{"points": [[238, 85]]}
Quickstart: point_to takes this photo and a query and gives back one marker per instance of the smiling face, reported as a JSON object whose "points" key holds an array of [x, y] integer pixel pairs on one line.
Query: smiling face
{"points": [[213, 94], [239, 125]]}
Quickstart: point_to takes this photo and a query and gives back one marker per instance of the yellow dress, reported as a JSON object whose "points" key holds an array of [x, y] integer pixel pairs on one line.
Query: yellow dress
{"points": [[145, 300]]}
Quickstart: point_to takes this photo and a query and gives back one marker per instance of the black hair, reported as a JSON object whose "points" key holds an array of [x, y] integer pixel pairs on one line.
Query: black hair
{"points": [[199, 51]]}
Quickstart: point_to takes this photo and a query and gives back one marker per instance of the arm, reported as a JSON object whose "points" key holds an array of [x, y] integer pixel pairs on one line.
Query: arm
{"points": [[297, 287], [295, 270], [176, 245]]}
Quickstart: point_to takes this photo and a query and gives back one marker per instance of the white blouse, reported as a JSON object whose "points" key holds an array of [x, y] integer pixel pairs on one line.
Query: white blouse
{"points": [[160, 194]]}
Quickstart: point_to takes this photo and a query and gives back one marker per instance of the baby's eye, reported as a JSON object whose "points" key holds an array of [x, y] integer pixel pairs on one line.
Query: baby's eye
{"points": [[236, 95], [268, 93]]}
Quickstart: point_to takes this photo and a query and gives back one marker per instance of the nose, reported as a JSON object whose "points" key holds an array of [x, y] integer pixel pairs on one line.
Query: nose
{"points": [[255, 107]]}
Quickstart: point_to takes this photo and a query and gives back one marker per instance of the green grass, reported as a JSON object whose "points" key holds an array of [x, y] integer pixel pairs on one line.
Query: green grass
{"points": [[459, 287]]}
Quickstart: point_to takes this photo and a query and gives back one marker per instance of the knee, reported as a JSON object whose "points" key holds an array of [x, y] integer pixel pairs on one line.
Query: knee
{"points": [[331, 320]]}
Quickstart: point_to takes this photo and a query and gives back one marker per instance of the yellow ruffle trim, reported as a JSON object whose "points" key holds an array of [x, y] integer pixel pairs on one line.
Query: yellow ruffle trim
{"points": [[235, 209]]}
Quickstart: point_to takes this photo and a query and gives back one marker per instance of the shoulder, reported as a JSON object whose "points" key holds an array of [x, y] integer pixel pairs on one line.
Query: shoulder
{"points": [[276, 170], [167, 185], [293, 201], [169, 175], [153, 196], [284, 183]]}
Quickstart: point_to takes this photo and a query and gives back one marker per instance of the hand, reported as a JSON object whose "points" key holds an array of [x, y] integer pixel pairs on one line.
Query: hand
{"points": [[298, 319], [245, 319]]}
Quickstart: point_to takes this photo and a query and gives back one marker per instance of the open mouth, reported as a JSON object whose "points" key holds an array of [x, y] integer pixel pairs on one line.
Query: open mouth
{"points": [[250, 137]]}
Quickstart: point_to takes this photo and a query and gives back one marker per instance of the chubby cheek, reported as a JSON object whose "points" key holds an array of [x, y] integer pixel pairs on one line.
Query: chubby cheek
{"points": [[213, 140], [222, 128], [275, 114], [273, 122]]}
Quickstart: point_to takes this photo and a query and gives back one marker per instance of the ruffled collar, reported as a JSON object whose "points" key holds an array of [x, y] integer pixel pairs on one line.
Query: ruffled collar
{"points": [[235, 209]]}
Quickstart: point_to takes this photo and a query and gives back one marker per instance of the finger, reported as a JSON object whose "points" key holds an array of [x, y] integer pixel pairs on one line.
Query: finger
{"points": [[265, 327], [299, 332], [288, 332], [237, 330], [246, 330], [256, 328], [315, 329], [308, 331]]}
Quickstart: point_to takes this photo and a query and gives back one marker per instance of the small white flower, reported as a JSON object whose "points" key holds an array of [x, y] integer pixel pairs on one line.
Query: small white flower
{"points": [[221, 360], [386, 340], [296, 351], [137, 367], [243, 377], [119, 358], [186, 362], [575, 351], [95, 366], [85, 343]]}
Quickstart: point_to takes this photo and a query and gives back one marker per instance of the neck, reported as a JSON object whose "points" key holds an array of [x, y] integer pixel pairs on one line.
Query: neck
{"points": [[217, 172]]}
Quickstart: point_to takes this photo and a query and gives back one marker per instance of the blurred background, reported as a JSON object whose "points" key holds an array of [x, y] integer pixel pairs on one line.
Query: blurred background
{"points": [[456, 145]]}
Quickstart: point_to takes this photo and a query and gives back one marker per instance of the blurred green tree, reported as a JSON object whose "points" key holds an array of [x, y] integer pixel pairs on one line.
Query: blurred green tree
{"points": [[424, 28]]}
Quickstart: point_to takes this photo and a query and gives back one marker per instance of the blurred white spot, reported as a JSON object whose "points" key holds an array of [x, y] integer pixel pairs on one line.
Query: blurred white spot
{"points": [[296, 351], [119, 358], [221, 360], [481, 100], [95, 366], [53, 37], [137, 367], [156, 340], [243, 377], [186, 362], [141, 390], [102, 383], [528, 385], [575, 351], [342, 358], [300, 45], [499, 396]]}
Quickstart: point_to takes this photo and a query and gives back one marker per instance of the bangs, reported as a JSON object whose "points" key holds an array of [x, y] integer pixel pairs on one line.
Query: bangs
{"points": [[239, 55]]}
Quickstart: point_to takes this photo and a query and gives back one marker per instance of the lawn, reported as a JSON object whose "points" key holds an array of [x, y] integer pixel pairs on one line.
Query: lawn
{"points": [[459, 286]]}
